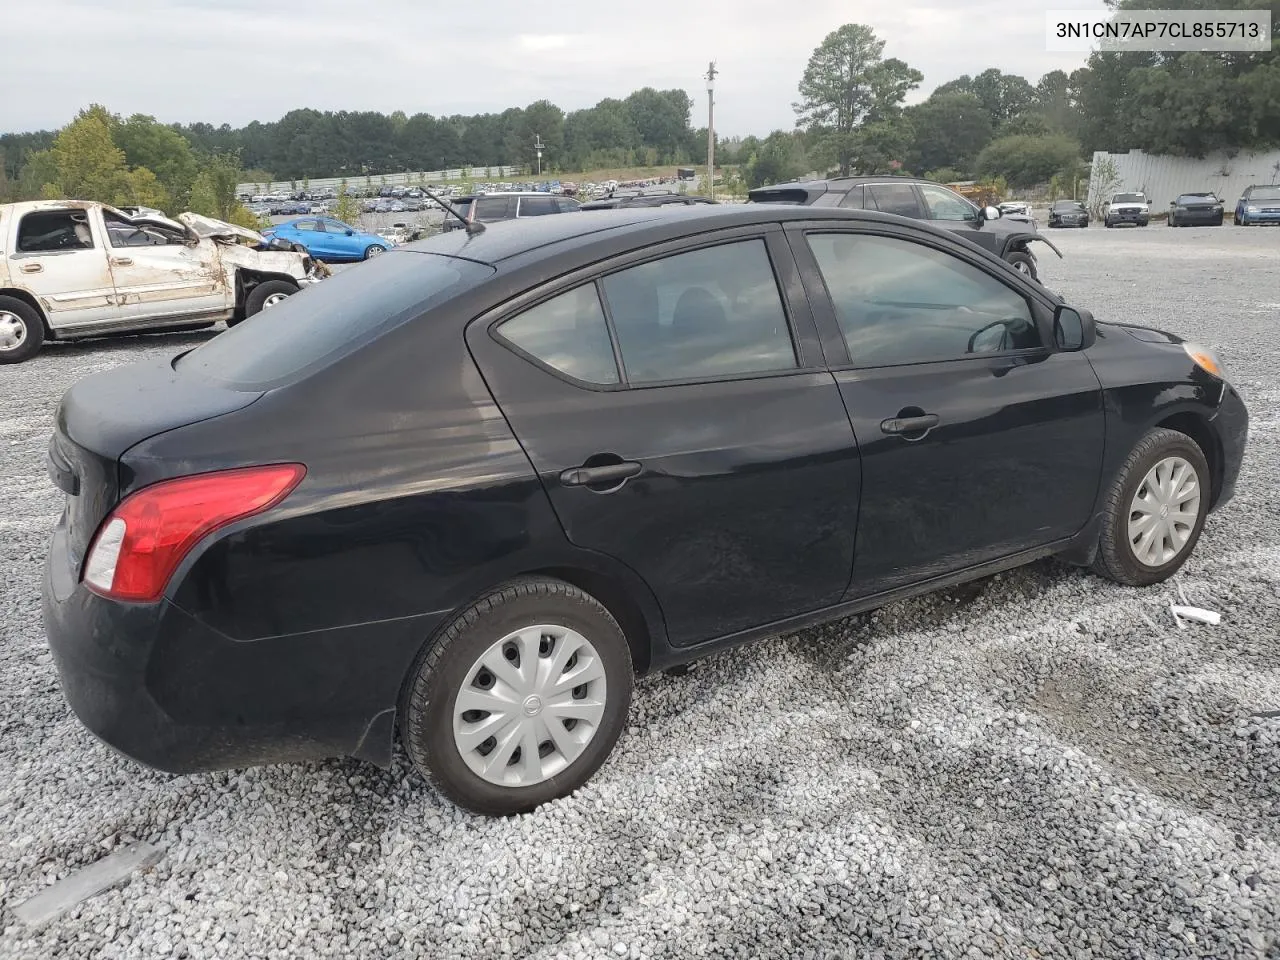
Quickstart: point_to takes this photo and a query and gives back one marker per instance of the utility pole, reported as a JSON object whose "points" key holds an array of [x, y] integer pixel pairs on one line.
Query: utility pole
{"points": [[711, 129], [538, 145]]}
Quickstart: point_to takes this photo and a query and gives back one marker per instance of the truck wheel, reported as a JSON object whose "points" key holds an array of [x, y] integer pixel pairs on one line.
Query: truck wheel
{"points": [[266, 294], [21, 330], [1023, 262]]}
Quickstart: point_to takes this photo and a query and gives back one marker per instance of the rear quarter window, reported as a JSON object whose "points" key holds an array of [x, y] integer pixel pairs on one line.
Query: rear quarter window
{"points": [[320, 325]]}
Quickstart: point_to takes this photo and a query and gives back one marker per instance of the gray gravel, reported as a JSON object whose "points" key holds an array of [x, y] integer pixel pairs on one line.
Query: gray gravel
{"points": [[1045, 767]]}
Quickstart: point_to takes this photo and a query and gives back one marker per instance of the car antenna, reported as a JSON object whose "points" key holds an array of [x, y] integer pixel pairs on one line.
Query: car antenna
{"points": [[470, 227]]}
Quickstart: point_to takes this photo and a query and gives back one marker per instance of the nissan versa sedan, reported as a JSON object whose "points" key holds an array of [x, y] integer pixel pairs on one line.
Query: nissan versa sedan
{"points": [[469, 491]]}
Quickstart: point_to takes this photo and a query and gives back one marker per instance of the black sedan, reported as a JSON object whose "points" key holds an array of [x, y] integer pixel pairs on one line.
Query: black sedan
{"points": [[1196, 209], [1068, 213], [468, 490]]}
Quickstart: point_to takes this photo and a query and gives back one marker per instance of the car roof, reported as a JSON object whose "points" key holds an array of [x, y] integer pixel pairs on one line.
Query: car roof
{"points": [[507, 239]]}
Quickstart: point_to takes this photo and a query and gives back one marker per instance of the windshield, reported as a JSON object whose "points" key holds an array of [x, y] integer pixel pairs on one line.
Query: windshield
{"points": [[321, 324], [1068, 205], [1195, 198], [1265, 193], [1128, 198]]}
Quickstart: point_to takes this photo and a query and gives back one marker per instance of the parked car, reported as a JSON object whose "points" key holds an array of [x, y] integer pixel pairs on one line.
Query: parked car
{"points": [[1007, 238], [1068, 213], [619, 201], [1192, 209], [330, 240], [1127, 208], [1258, 204], [495, 207], [76, 269], [1019, 207], [478, 484]]}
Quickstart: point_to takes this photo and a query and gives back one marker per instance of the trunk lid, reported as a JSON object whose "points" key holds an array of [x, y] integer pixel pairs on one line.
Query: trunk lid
{"points": [[103, 416]]}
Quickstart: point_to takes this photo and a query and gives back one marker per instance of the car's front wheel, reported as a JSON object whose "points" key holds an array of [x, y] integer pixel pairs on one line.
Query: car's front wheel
{"points": [[519, 699], [21, 330], [264, 295], [372, 250], [1023, 262], [1154, 510]]}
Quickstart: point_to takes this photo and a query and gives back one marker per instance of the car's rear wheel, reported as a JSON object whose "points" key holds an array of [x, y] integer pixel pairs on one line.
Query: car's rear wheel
{"points": [[1154, 510], [372, 250], [1023, 262], [21, 330], [519, 699]]}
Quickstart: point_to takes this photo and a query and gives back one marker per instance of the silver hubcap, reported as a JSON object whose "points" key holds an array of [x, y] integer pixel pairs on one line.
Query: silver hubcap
{"points": [[1164, 511], [529, 706], [374, 251], [13, 331], [275, 298], [1022, 266]]}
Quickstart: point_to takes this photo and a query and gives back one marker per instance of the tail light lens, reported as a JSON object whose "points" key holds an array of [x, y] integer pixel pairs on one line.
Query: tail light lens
{"points": [[145, 538]]}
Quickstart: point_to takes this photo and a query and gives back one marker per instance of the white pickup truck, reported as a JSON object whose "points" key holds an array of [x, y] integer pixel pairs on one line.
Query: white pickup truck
{"points": [[72, 269]]}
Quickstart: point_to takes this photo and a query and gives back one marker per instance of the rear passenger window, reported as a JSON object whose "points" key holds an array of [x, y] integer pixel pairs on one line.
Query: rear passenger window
{"points": [[568, 333], [536, 206], [491, 208], [708, 313], [853, 199], [54, 230], [899, 198]]}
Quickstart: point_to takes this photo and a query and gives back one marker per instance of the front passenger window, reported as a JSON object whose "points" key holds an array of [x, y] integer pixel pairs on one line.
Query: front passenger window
{"points": [[902, 302], [945, 205]]}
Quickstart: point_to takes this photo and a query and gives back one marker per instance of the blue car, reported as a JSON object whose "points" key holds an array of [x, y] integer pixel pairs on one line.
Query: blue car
{"points": [[1258, 204], [330, 240]]}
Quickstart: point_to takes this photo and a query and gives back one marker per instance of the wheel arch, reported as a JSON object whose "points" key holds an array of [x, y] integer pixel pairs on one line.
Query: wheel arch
{"points": [[620, 603], [247, 278], [30, 300], [1197, 427]]}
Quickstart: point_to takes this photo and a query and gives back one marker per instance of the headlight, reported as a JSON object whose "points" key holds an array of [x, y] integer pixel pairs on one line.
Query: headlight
{"points": [[1251, 209], [1205, 359]]}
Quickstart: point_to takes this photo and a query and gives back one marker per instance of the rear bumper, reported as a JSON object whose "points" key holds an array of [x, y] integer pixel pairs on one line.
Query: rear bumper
{"points": [[164, 689]]}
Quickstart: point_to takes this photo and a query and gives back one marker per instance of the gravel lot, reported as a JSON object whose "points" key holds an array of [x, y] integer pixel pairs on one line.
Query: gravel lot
{"points": [[1046, 767]]}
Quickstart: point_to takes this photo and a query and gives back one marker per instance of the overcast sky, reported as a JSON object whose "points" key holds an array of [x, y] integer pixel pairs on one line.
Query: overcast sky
{"points": [[232, 61]]}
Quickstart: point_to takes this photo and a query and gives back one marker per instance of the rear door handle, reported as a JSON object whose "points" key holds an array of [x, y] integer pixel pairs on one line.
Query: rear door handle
{"points": [[122, 261], [909, 424], [32, 267], [606, 473]]}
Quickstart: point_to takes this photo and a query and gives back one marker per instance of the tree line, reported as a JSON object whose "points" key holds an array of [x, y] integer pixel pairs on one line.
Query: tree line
{"points": [[850, 117]]}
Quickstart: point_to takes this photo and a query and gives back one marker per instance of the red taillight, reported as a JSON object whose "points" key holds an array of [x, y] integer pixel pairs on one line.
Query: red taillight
{"points": [[145, 538]]}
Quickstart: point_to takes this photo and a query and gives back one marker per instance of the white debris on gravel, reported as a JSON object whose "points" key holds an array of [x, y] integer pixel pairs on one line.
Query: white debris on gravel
{"points": [[1046, 767]]}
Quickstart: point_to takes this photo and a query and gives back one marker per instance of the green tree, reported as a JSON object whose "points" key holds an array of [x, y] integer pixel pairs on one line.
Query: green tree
{"points": [[1027, 161], [88, 165], [848, 82], [214, 192], [949, 131], [781, 158], [544, 120], [161, 150], [347, 209], [1004, 96]]}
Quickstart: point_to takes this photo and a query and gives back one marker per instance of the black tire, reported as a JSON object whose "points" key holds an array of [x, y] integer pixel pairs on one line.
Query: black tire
{"points": [[432, 686], [373, 249], [1023, 262], [1108, 224], [259, 295], [1218, 222], [1116, 559], [1235, 218], [21, 320]]}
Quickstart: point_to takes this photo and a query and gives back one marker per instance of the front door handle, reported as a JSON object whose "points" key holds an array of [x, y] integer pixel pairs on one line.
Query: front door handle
{"points": [[32, 267], [898, 425], [122, 261], [608, 473]]}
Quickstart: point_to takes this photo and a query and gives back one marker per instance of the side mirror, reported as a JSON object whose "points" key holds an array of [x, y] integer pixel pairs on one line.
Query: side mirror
{"points": [[1073, 329], [351, 233], [991, 213]]}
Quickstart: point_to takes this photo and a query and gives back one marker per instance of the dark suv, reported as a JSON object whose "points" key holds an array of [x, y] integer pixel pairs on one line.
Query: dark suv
{"points": [[619, 201], [1006, 237], [492, 207]]}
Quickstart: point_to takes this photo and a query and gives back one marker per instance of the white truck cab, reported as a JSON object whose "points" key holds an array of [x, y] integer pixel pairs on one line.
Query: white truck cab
{"points": [[72, 269]]}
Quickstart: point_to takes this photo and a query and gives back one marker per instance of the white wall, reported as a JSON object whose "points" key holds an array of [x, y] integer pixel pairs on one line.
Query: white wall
{"points": [[377, 180], [1162, 178]]}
